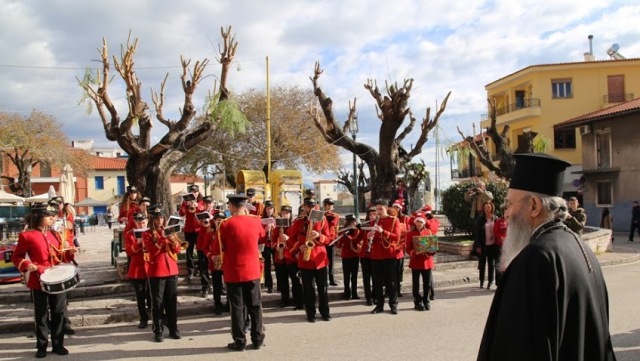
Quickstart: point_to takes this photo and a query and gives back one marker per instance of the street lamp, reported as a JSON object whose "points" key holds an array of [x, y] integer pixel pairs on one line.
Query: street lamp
{"points": [[29, 170], [353, 129]]}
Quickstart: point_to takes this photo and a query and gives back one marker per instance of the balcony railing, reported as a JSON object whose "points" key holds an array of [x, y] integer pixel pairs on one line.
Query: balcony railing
{"points": [[617, 98], [524, 103]]}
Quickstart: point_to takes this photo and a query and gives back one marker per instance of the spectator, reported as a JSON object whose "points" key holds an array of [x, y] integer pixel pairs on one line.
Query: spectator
{"points": [[606, 221], [635, 220], [577, 217], [500, 234], [110, 217], [477, 196], [484, 243], [400, 196]]}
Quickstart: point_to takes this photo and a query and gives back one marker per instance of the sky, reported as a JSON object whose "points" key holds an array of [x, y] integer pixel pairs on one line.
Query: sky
{"points": [[444, 45]]}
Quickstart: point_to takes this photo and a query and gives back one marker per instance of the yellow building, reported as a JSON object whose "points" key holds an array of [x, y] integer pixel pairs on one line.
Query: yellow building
{"points": [[532, 100]]}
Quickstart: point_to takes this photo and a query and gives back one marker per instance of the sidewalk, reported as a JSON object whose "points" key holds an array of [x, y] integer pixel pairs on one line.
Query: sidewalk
{"points": [[101, 298]]}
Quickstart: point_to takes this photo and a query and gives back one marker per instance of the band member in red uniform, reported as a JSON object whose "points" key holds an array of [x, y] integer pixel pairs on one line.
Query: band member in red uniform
{"points": [[286, 264], [309, 242], [267, 253], [365, 259], [137, 273], [188, 210], [204, 227], [162, 270], [213, 251], [434, 225], [383, 239], [38, 249], [404, 227], [351, 244], [333, 220], [239, 236], [421, 264], [253, 206], [128, 207]]}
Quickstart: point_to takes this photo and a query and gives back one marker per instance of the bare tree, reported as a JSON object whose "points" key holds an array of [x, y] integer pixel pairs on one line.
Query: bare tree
{"points": [[149, 167], [392, 110], [363, 183], [504, 154]]}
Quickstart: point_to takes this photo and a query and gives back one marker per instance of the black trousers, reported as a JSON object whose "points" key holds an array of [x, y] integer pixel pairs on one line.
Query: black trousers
{"points": [[426, 284], [489, 256], [143, 297], [47, 306], [330, 256], [203, 267], [192, 238], [384, 274], [282, 277], [309, 291], [367, 277], [216, 281], [245, 297], [296, 285], [399, 274], [634, 225], [164, 300], [267, 254], [350, 279]]}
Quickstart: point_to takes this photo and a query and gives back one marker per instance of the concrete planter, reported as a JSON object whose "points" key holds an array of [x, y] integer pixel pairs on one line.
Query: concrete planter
{"points": [[462, 249], [598, 239], [122, 268]]}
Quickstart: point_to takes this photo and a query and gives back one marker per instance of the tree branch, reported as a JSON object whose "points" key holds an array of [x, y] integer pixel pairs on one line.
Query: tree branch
{"points": [[427, 125]]}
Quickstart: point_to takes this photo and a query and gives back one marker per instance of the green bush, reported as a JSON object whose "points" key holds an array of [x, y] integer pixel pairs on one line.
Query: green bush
{"points": [[457, 210]]}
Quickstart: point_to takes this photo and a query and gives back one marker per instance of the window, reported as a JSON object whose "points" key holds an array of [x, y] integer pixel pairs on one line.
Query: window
{"points": [[605, 194], [603, 149], [561, 88], [121, 188], [615, 89], [564, 139], [99, 180]]}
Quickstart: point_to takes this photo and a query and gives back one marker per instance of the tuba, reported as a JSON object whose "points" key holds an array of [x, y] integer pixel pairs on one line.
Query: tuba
{"points": [[309, 243]]}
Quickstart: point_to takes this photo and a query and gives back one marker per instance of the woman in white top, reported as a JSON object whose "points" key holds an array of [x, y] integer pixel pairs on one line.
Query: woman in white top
{"points": [[484, 243]]}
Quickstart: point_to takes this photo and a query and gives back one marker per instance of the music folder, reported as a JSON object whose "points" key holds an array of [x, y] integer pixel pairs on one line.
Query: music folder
{"points": [[139, 231], [267, 221], [169, 230], [203, 215], [316, 215], [173, 220], [250, 207], [282, 222], [189, 197]]}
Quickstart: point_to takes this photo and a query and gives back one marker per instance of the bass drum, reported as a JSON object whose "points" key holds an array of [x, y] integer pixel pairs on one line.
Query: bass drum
{"points": [[60, 279]]}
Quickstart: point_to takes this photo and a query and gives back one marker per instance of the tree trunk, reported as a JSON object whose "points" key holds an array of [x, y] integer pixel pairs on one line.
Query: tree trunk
{"points": [[152, 176]]}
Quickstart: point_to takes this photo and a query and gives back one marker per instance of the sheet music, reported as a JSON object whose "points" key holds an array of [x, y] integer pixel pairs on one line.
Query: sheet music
{"points": [[250, 207], [267, 221], [316, 215]]}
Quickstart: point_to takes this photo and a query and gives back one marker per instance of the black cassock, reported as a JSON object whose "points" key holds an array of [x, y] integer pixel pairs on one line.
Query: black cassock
{"points": [[552, 304]]}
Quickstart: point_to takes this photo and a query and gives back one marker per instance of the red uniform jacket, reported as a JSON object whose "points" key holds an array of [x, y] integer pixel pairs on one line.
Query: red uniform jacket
{"points": [[128, 214], [433, 224], [384, 244], [259, 208], [298, 232], [212, 247], [190, 220], [333, 222], [422, 261], [136, 253], [404, 228], [163, 254], [351, 243], [287, 257], [500, 231], [239, 237], [44, 250], [268, 236], [201, 241]]}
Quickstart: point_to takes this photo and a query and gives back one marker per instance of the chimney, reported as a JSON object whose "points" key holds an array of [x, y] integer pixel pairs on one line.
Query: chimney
{"points": [[589, 56]]}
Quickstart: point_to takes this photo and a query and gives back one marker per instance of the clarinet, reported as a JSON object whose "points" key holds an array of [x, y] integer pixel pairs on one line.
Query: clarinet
{"points": [[370, 244]]}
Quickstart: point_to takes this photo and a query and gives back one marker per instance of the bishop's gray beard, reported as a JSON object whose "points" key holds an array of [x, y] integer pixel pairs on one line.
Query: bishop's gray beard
{"points": [[518, 235]]}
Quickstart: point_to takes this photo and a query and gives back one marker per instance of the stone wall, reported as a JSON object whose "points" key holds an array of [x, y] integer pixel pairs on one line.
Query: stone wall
{"points": [[598, 239]]}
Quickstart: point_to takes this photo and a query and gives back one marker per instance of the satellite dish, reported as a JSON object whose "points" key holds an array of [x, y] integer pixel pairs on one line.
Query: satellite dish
{"points": [[613, 52]]}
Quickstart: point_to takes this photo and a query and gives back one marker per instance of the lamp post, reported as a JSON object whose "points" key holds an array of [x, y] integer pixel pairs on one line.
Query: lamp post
{"points": [[353, 129], [29, 170]]}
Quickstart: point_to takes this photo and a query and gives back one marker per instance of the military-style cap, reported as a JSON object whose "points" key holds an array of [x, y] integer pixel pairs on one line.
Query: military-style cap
{"points": [[372, 209], [131, 189], [328, 201], [207, 199], [268, 204], [155, 211], [251, 192], [53, 202], [539, 173], [309, 201], [286, 209], [219, 215], [236, 197], [309, 192], [194, 188], [139, 217], [381, 201], [44, 209], [145, 200], [349, 217]]}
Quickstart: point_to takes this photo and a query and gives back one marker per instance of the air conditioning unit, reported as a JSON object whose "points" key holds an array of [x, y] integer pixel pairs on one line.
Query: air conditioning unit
{"points": [[584, 129]]}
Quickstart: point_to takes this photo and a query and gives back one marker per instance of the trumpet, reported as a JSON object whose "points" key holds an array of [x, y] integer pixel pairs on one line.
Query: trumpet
{"points": [[309, 243]]}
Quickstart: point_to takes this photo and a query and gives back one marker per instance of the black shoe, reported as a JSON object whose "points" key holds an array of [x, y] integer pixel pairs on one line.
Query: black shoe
{"points": [[217, 309], [311, 319], [427, 306], [236, 346], [257, 344], [399, 294], [175, 335], [346, 297], [394, 311], [419, 306], [298, 307], [68, 330], [333, 283], [326, 318], [158, 337], [270, 290], [481, 284], [143, 324], [203, 293], [355, 297], [369, 302], [377, 310], [60, 351], [41, 353], [489, 286], [432, 297]]}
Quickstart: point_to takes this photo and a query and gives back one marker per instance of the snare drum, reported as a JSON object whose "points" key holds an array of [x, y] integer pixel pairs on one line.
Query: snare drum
{"points": [[60, 278]]}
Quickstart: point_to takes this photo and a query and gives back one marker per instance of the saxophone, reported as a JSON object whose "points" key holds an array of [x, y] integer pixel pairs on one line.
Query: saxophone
{"points": [[280, 246], [309, 243]]}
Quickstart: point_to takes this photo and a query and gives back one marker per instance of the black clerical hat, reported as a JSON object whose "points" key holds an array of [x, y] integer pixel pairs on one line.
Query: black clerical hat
{"points": [[539, 173]]}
